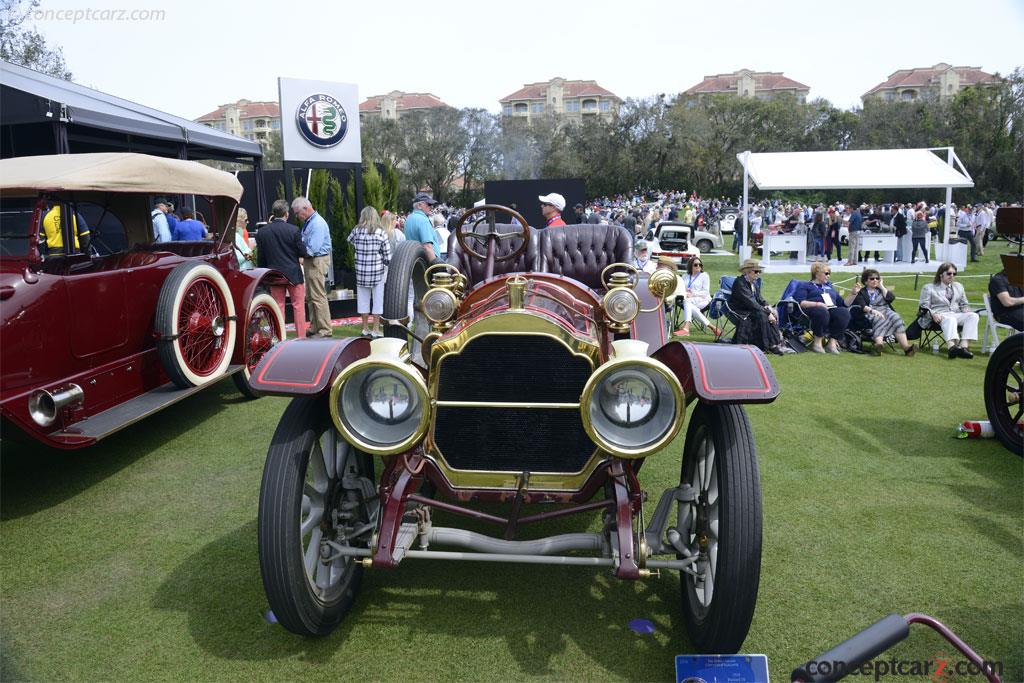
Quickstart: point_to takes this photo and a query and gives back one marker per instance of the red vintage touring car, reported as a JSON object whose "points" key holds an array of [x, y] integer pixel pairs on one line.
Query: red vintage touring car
{"points": [[101, 326], [533, 372]]}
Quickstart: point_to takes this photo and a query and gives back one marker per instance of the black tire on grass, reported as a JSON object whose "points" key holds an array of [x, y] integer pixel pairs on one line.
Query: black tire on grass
{"points": [[1005, 372], [297, 603], [722, 626], [404, 272], [265, 307]]}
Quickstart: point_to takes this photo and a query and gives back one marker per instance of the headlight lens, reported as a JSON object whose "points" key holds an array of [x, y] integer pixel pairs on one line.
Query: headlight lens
{"points": [[439, 305], [632, 408], [380, 407], [621, 305]]}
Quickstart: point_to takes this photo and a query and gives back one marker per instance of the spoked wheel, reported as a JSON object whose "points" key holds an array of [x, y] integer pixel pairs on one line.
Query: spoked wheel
{"points": [[195, 321], [722, 528], [403, 294], [1004, 392], [264, 328], [317, 495]]}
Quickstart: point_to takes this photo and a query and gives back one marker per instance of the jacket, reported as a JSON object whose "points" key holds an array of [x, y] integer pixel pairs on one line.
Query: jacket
{"points": [[808, 291], [279, 246], [933, 297], [745, 298]]}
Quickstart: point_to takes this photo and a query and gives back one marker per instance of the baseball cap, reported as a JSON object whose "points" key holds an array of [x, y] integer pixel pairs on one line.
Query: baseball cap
{"points": [[554, 199], [424, 197], [640, 245]]}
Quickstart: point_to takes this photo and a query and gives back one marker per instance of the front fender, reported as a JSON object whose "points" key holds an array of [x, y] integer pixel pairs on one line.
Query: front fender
{"points": [[305, 367], [721, 373], [243, 285]]}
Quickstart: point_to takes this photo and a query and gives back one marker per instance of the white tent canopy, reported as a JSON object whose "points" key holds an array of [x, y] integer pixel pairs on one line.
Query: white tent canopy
{"points": [[860, 169], [853, 170]]}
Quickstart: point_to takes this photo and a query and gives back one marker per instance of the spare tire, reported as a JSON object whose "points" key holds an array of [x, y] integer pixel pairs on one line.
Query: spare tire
{"points": [[403, 293], [195, 324], [264, 327]]}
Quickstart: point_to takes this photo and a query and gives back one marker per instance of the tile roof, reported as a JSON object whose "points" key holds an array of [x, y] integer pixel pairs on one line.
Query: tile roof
{"points": [[248, 110], [929, 75], [765, 80], [405, 100], [538, 91]]}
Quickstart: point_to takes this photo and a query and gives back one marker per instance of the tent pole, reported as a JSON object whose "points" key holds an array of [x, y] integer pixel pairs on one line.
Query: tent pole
{"points": [[949, 200], [746, 208]]}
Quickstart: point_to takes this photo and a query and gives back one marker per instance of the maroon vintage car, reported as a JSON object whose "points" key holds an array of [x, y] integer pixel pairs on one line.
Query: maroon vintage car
{"points": [[530, 370], [101, 326]]}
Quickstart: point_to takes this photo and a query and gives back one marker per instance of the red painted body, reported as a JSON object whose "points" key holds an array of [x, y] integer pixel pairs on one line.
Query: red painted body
{"points": [[92, 324]]}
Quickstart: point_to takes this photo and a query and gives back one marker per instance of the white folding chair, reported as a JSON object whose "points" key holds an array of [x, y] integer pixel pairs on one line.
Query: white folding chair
{"points": [[992, 327]]}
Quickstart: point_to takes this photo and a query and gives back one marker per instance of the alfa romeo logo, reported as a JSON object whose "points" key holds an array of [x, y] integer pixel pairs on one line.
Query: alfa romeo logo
{"points": [[322, 120]]}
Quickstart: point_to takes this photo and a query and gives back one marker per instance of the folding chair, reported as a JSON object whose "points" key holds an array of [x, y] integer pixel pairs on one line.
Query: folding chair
{"points": [[990, 339], [720, 311]]}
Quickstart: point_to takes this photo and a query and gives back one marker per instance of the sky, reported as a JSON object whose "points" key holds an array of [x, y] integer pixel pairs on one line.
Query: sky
{"points": [[190, 56]]}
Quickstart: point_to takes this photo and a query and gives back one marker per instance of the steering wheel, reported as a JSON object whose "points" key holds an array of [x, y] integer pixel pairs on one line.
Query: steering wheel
{"points": [[492, 236]]}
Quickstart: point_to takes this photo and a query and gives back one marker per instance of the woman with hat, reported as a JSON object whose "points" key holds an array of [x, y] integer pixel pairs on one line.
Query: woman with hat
{"points": [[758, 324]]}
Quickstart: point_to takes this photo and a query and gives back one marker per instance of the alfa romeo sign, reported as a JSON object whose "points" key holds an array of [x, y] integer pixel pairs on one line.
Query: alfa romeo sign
{"points": [[322, 120], [320, 124]]}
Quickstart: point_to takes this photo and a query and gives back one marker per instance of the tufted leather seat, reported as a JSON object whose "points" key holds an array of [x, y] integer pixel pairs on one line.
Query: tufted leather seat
{"points": [[583, 251], [473, 268]]}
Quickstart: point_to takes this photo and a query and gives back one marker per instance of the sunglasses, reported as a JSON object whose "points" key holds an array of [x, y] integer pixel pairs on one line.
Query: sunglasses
{"points": [[873, 278], [828, 272], [756, 272], [950, 272]]}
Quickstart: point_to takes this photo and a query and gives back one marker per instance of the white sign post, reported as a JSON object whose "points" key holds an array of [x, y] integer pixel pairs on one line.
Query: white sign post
{"points": [[319, 122]]}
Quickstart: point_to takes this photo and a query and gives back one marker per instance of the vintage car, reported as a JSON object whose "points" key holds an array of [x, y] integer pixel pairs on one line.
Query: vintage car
{"points": [[673, 241], [530, 383], [99, 335]]}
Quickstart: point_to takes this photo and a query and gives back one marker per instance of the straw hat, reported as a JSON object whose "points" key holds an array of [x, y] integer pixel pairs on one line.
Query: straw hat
{"points": [[750, 264]]}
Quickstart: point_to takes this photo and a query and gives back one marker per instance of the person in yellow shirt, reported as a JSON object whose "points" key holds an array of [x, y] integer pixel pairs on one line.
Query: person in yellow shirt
{"points": [[55, 238]]}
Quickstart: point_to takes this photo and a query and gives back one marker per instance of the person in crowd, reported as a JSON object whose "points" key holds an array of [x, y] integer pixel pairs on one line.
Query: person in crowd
{"points": [[824, 306], [696, 286], [53, 237], [242, 223], [1007, 301], [856, 225], [188, 228], [280, 247], [899, 224], [818, 230], [161, 231], [388, 225], [652, 219], [551, 207], [835, 224], [918, 233], [629, 222], [642, 257], [874, 303], [965, 230], [946, 304], [979, 223], [373, 253], [595, 213], [172, 217], [581, 216], [758, 325], [243, 248], [316, 240], [419, 228]]}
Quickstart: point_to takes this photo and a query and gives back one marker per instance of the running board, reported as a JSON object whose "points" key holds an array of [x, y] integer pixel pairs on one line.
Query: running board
{"points": [[114, 419]]}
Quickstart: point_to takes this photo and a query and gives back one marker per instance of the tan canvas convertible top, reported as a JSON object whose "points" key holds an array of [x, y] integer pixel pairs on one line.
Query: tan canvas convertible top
{"points": [[116, 172]]}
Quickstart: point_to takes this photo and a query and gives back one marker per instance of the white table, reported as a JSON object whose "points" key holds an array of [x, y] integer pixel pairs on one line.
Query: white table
{"points": [[787, 243], [884, 242]]}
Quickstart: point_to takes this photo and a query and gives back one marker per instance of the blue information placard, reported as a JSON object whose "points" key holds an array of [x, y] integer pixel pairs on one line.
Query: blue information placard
{"points": [[721, 669]]}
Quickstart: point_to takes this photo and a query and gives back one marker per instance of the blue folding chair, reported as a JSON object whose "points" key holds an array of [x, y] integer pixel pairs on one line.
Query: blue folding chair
{"points": [[720, 311]]}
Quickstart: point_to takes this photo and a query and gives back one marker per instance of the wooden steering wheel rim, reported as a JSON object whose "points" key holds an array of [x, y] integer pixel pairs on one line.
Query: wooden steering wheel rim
{"points": [[460, 236]]}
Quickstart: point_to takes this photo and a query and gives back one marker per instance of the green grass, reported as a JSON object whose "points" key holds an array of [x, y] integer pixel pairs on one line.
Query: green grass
{"points": [[137, 559]]}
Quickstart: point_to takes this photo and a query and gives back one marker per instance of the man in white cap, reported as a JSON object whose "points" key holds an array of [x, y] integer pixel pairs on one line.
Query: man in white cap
{"points": [[551, 206]]}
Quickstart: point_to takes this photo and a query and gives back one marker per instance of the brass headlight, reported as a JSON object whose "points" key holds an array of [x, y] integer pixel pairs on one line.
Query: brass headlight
{"points": [[662, 283], [440, 305], [380, 404], [621, 305], [633, 405]]}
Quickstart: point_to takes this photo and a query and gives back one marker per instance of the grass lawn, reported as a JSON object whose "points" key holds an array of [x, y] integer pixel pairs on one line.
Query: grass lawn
{"points": [[137, 559]]}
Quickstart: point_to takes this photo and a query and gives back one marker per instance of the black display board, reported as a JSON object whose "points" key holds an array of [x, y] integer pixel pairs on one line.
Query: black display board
{"points": [[521, 195]]}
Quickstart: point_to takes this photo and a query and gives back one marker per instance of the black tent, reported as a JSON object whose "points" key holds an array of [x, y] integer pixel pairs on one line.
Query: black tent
{"points": [[41, 114]]}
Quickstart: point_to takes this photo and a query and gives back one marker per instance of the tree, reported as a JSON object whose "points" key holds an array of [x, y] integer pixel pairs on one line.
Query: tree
{"points": [[373, 187], [434, 142], [480, 158], [272, 151], [24, 45]]}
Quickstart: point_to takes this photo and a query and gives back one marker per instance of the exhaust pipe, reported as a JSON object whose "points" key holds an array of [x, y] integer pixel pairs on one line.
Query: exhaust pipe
{"points": [[44, 406]]}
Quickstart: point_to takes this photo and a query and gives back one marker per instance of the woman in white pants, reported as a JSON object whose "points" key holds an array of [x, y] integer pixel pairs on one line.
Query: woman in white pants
{"points": [[697, 290], [373, 253], [947, 305]]}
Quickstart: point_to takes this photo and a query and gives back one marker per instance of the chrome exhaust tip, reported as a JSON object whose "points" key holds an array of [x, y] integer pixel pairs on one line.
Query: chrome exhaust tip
{"points": [[44, 406]]}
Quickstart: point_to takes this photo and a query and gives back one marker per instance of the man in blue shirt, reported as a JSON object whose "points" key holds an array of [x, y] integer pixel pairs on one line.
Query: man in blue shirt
{"points": [[316, 238], [188, 228], [161, 231], [419, 228]]}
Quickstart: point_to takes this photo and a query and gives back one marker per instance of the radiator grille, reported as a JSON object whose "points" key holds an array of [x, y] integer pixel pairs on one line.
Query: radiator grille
{"points": [[520, 369]]}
